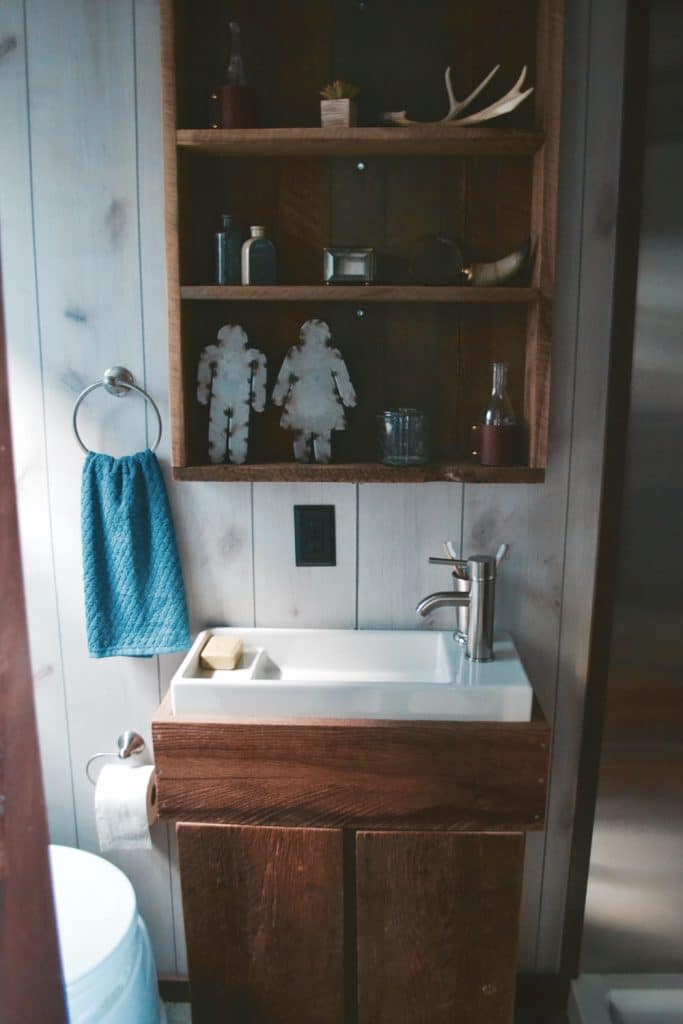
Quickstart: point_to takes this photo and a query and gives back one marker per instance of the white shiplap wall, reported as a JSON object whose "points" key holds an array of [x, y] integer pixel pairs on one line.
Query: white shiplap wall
{"points": [[82, 240]]}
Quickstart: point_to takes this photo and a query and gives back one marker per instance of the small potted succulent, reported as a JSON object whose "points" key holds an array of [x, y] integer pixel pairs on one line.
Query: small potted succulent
{"points": [[338, 107]]}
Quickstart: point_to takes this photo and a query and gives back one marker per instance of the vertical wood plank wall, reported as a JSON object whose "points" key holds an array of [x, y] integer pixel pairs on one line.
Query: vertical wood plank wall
{"points": [[82, 229]]}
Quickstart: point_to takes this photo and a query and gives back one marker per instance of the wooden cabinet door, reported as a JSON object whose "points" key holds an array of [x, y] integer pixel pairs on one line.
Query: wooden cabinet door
{"points": [[437, 918], [264, 920]]}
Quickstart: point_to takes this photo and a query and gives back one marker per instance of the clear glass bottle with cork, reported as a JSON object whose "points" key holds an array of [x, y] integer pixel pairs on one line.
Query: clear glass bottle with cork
{"points": [[234, 103], [499, 433]]}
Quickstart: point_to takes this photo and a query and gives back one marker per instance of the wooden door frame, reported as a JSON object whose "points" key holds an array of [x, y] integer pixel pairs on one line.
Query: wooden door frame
{"points": [[30, 971], [623, 312]]}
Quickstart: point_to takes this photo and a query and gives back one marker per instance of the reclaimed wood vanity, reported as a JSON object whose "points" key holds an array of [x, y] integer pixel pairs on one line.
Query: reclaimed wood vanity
{"points": [[362, 871]]}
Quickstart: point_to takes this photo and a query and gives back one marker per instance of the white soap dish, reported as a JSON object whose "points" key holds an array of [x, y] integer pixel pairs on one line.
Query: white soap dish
{"points": [[248, 664]]}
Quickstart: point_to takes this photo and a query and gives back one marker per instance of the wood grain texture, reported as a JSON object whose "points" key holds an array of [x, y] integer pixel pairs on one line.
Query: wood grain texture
{"points": [[358, 293], [528, 603], [264, 920], [530, 521], [285, 99], [414, 185], [167, 29], [529, 591], [434, 140], [213, 531], [28, 431], [635, 745], [544, 211], [437, 927], [394, 573], [30, 972], [361, 473], [209, 513], [290, 197], [352, 774], [287, 595], [84, 188], [213, 525], [497, 219], [594, 262]]}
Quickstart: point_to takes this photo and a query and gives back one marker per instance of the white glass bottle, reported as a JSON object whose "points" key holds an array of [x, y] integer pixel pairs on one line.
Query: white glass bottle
{"points": [[259, 259]]}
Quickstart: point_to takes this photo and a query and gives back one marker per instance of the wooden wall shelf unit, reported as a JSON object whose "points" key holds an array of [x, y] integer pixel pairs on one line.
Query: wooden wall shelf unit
{"points": [[492, 185]]}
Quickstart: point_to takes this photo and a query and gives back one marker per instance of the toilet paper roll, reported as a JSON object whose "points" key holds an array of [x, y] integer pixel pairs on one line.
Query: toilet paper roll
{"points": [[125, 807]]}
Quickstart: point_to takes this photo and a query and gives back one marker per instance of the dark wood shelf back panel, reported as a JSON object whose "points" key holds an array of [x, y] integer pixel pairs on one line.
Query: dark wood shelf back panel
{"points": [[491, 186], [396, 51], [484, 203], [435, 358]]}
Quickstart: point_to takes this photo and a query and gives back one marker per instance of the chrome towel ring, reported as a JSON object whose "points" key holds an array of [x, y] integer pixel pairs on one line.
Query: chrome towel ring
{"points": [[118, 381]]}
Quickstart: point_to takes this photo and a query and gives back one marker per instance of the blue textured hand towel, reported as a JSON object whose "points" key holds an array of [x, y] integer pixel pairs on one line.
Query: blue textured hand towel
{"points": [[134, 594]]}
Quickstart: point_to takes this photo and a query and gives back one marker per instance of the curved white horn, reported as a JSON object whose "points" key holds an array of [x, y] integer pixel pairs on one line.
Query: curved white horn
{"points": [[491, 274]]}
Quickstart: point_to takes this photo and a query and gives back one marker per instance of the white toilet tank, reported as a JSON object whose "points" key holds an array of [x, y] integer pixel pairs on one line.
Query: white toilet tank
{"points": [[107, 960]]}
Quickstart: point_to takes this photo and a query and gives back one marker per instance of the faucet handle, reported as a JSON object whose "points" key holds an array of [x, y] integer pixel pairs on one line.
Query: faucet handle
{"points": [[461, 566], [458, 565], [501, 554]]}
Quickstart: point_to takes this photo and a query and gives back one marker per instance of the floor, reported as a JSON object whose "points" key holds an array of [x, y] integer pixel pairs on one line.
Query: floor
{"points": [[534, 1019], [179, 1013]]}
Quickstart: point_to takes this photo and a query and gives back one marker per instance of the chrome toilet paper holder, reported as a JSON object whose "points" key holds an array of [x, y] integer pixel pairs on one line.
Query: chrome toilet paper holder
{"points": [[129, 744]]}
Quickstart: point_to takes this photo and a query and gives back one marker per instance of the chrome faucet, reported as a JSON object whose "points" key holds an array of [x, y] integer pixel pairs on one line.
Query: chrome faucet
{"points": [[475, 579]]}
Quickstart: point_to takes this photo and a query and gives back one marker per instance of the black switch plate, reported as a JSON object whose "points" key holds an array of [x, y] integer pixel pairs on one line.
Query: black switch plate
{"points": [[315, 540]]}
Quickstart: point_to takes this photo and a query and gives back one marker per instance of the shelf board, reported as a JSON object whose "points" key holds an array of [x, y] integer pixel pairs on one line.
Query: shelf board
{"points": [[420, 140], [358, 293], [361, 472]]}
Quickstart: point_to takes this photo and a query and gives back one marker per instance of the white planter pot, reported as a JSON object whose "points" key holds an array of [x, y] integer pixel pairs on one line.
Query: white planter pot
{"points": [[338, 113]]}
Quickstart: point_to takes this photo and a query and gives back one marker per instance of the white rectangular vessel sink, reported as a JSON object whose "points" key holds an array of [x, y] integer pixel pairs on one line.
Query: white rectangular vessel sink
{"points": [[346, 673]]}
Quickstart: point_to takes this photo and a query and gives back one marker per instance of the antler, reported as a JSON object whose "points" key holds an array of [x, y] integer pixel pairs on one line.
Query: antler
{"points": [[456, 106], [504, 105]]}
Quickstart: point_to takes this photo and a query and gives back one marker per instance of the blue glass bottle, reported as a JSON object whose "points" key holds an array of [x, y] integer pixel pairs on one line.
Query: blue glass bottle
{"points": [[228, 252], [259, 259]]}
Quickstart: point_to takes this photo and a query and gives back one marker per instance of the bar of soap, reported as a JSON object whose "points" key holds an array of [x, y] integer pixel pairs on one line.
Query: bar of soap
{"points": [[221, 652]]}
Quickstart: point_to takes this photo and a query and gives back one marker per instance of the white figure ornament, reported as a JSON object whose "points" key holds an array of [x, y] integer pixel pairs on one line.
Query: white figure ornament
{"points": [[313, 387], [231, 380]]}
